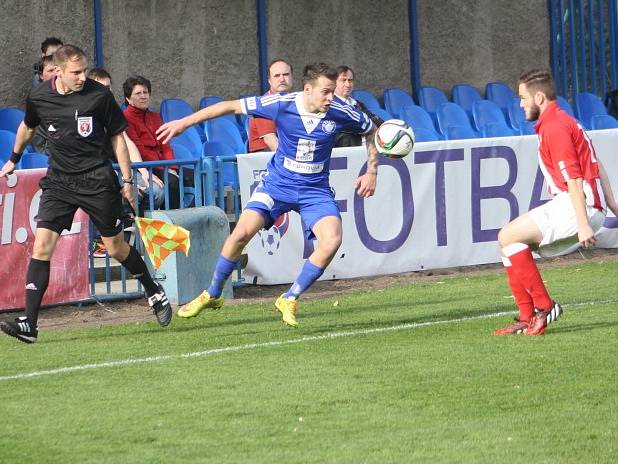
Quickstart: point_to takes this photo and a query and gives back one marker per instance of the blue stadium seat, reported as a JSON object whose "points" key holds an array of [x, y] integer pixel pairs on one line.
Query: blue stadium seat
{"points": [[385, 115], [465, 95], [191, 140], [176, 108], [517, 117], [490, 120], [241, 120], [394, 99], [213, 149], [430, 99], [460, 132], [422, 134], [451, 114], [366, 98], [604, 121], [499, 93], [588, 105], [420, 121], [565, 105], [7, 143], [10, 119], [223, 130], [208, 100], [31, 160]]}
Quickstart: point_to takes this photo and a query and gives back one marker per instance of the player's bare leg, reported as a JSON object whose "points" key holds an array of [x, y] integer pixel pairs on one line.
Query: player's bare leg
{"points": [[249, 223], [328, 232]]}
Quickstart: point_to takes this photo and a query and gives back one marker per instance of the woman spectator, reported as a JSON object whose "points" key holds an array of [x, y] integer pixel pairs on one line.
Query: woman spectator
{"points": [[143, 124]]}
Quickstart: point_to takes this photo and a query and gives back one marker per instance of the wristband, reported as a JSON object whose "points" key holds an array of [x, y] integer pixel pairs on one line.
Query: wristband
{"points": [[15, 157], [127, 181]]}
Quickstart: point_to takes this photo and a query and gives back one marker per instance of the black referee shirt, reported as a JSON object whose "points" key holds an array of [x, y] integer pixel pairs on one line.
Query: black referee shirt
{"points": [[77, 126]]}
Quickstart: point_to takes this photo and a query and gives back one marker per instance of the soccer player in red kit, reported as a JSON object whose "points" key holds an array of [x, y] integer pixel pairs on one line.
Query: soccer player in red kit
{"points": [[581, 192]]}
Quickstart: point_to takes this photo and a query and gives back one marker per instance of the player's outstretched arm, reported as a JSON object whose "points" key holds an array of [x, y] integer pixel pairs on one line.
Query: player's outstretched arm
{"points": [[365, 185], [178, 126], [608, 193], [22, 139]]}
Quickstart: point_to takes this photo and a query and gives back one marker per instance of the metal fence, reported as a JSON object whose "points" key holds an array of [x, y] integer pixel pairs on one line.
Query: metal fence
{"points": [[584, 45], [214, 183]]}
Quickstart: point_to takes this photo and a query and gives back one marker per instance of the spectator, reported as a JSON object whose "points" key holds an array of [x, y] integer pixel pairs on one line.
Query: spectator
{"points": [[263, 132], [46, 71], [48, 47], [144, 182], [47, 68], [143, 124], [343, 90]]}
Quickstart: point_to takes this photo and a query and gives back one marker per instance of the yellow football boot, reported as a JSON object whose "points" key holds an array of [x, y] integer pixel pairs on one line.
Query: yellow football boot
{"points": [[287, 307], [203, 301]]}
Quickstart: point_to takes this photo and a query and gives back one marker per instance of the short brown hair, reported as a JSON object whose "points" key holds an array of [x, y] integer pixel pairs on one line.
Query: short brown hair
{"points": [[99, 73], [344, 69], [47, 59], [68, 53], [539, 80], [312, 71], [132, 81]]}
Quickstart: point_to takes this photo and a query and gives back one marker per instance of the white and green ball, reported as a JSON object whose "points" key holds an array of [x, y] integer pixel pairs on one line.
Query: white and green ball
{"points": [[394, 138]]}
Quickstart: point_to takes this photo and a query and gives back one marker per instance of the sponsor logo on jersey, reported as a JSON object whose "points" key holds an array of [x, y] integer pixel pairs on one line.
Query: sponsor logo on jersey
{"points": [[51, 128], [84, 125], [328, 126]]}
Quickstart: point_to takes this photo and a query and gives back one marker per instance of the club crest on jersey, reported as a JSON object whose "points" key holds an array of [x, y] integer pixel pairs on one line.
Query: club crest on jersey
{"points": [[328, 126], [84, 125]]}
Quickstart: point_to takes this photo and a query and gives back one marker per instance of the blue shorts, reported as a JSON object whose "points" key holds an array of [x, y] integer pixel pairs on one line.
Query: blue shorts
{"points": [[272, 200]]}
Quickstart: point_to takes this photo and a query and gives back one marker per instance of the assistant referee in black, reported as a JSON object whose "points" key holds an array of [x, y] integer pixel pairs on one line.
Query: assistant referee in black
{"points": [[77, 116]]}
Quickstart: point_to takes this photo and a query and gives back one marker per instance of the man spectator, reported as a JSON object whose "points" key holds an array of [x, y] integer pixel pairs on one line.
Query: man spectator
{"points": [[263, 132], [343, 90], [48, 47], [46, 71]]}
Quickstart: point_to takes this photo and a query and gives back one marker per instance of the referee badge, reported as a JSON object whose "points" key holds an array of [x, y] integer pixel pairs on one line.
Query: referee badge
{"points": [[84, 125]]}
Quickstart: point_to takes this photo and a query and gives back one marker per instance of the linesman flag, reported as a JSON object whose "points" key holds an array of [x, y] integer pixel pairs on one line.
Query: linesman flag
{"points": [[162, 238]]}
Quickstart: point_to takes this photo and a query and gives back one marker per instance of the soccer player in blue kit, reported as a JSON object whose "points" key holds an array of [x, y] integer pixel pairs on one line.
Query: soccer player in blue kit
{"points": [[297, 179]]}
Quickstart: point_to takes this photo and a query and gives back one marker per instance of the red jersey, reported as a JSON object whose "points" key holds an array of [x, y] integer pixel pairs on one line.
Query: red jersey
{"points": [[566, 152], [258, 128]]}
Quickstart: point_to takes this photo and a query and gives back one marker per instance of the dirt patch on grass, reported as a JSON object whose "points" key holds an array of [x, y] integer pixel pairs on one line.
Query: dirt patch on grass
{"points": [[127, 311]]}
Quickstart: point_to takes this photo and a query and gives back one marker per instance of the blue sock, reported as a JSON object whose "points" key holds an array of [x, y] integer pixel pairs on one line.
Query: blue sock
{"points": [[223, 270], [309, 274]]}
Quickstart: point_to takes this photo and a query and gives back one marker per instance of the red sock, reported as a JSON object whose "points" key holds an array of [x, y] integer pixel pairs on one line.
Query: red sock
{"points": [[522, 297], [527, 274]]}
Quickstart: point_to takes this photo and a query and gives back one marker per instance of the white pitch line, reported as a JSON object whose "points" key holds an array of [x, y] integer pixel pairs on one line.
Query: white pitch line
{"points": [[251, 346]]}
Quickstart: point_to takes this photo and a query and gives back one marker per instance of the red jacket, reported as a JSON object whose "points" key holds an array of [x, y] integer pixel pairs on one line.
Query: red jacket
{"points": [[142, 131]]}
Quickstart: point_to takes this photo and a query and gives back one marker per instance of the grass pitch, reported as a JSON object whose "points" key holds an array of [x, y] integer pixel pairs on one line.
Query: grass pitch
{"points": [[406, 374]]}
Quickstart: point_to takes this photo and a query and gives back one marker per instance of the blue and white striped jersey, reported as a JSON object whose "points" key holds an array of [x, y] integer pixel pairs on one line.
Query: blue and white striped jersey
{"points": [[305, 139]]}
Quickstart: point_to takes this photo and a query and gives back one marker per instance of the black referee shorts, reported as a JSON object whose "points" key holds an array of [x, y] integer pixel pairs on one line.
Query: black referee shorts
{"points": [[97, 192]]}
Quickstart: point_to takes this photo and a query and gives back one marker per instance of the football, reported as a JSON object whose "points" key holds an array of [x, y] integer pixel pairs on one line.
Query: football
{"points": [[394, 138]]}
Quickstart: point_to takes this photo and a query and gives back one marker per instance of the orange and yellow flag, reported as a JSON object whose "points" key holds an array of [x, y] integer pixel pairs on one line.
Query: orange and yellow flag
{"points": [[162, 238]]}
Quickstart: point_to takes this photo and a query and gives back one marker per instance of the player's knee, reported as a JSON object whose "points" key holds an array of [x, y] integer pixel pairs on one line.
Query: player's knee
{"points": [[331, 243], [118, 249], [241, 236], [504, 237], [42, 250]]}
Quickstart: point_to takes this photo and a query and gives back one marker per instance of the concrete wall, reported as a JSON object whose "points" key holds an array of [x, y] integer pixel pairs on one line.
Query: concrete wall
{"points": [[480, 41], [369, 36], [24, 25], [192, 48]]}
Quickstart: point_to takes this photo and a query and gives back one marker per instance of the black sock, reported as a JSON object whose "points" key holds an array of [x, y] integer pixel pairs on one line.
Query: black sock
{"points": [[136, 266], [37, 279]]}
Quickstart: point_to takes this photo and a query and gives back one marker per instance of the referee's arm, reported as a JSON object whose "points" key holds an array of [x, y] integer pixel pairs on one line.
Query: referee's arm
{"points": [[22, 139]]}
